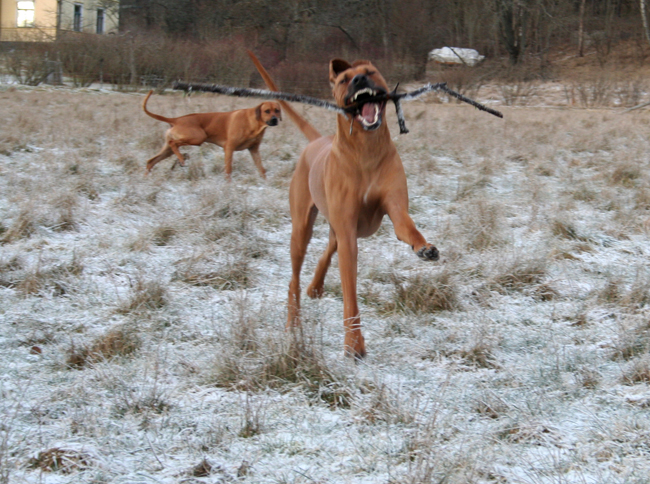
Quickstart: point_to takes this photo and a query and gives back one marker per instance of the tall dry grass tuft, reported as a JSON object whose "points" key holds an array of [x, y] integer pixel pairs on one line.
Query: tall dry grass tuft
{"points": [[253, 417], [158, 235], [422, 293], [64, 461], [293, 360], [565, 228], [120, 341], [56, 280], [64, 216], [491, 405], [633, 338], [298, 361], [638, 371], [380, 403], [632, 297], [626, 174], [22, 226], [146, 295], [236, 273], [522, 276], [479, 354]]}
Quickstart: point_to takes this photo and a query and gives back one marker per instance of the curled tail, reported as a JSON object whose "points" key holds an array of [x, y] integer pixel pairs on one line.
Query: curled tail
{"points": [[307, 129], [155, 116]]}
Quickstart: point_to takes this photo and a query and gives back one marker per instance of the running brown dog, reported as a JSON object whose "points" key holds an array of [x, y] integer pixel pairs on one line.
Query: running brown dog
{"points": [[354, 178], [233, 131]]}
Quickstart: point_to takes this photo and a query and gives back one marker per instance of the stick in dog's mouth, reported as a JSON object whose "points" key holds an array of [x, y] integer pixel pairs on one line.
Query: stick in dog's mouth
{"points": [[353, 108]]}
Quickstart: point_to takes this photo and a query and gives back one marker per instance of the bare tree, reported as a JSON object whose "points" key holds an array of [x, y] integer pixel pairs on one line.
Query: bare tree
{"points": [[581, 29], [644, 19], [512, 17]]}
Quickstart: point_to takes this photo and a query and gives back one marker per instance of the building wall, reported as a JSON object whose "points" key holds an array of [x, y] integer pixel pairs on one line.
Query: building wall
{"points": [[44, 28]]}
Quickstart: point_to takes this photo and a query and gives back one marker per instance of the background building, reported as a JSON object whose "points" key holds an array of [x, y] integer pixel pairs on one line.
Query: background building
{"points": [[43, 20]]}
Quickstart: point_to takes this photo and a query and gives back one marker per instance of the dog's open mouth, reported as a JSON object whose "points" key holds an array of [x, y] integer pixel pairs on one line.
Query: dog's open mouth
{"points": [[365, 108]]}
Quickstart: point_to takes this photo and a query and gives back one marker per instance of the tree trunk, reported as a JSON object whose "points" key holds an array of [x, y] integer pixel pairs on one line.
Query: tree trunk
{"points": [[644, 19], [512, 28], [581, 29]]}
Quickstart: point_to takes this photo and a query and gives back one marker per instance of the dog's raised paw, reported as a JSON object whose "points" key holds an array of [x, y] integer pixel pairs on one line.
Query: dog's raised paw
{"points": [[428, 253]]}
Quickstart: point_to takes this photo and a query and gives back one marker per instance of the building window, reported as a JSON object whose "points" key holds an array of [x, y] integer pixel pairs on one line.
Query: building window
{"points": [[76, 21], [100, 20], [25, 17]]}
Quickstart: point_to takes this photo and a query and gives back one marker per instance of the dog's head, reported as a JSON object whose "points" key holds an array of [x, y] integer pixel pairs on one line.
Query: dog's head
{"points": [[352, 84], [269, 113]]}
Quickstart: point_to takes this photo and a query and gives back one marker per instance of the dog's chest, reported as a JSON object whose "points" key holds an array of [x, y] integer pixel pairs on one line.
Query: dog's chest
{"points": [[246, 142]]}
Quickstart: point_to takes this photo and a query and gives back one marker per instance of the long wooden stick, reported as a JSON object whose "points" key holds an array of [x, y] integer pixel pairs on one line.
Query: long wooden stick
{"points": [[258, 93], [283, 96]]}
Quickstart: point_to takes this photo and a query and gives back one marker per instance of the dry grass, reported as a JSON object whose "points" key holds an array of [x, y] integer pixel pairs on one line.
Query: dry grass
{"points": [[638, 371], [524, 276], [146, 295], [61, 460], [282, 364], [424, 293], [116, 342], [235, 274]]}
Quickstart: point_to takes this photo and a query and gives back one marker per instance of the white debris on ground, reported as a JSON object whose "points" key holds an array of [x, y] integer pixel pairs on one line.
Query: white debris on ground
{"points": [[456, 55]]}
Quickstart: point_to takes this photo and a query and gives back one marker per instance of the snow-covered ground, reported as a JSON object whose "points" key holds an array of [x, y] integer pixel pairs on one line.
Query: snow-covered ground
{"points": [[142, 318]]}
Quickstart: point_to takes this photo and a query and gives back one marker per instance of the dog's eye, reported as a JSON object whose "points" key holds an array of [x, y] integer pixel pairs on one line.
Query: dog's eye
{"points": [[344, 80], [267, 111], [370, 73]]}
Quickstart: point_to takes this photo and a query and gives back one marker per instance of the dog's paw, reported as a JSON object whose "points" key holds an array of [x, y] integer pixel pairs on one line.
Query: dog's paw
{"points": [[315, 292], [428, 252]]}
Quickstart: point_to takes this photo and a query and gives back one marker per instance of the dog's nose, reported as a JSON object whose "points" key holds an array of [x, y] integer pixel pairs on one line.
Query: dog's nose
{"points": [[273, 121], [359, 81]]}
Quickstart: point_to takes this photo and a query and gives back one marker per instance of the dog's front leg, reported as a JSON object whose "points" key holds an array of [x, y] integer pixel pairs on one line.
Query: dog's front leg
{"points": [[405, 230], [227, 155], [257, 159], [347, 248]]}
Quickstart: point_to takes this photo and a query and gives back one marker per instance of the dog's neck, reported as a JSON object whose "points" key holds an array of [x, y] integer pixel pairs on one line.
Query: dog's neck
{"points": [[368, 146]]}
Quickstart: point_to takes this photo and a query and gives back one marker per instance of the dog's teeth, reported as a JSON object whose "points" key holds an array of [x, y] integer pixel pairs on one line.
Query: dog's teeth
{"points": [[363, 91]]}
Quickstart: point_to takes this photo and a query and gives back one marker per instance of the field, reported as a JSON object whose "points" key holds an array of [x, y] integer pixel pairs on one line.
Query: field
{"points": [[142, 318]]}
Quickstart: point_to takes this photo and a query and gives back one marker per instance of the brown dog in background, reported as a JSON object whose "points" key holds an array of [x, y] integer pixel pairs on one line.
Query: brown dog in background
{"points": [[354, 178], [233, 131]]}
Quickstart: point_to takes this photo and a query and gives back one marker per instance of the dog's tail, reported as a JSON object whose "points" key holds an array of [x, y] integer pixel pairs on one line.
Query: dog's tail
{"points": [[155, 116], [307, 129]]}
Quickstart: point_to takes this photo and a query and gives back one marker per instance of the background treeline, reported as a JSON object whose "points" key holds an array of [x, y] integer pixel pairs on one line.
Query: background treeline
{"points": [[204, 40]]}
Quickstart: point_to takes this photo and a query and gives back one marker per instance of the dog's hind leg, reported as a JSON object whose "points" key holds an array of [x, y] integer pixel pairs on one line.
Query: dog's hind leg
{"points": [[315, 289], [174, 145], [165, 152], [302, 226]]}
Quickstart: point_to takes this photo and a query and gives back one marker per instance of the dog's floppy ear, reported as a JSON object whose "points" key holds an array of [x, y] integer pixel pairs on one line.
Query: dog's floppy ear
{"points": [[336, 67], [280, 115], [258, 112]]}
